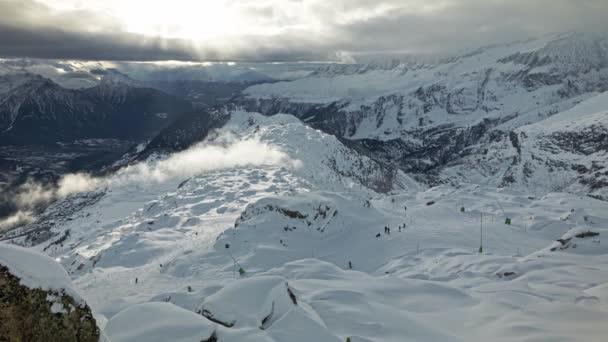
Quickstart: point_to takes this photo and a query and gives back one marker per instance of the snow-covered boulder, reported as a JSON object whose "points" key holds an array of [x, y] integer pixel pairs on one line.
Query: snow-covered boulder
{"points": [[580, 240], [264, 303], [37, 302], [250, 302], [160, 322]]}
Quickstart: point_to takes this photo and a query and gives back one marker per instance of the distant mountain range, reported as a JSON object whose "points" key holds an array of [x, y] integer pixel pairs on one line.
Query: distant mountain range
{"points": [[465, 118], [39, 111]]}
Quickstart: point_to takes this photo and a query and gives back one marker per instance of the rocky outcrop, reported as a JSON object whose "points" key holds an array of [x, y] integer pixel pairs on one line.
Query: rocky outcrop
{"points": [[35, 308], [27, 314]]}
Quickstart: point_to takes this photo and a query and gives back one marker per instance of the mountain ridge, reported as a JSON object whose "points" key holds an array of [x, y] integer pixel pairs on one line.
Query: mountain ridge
{"points": [[41, 111], [424, 119]]}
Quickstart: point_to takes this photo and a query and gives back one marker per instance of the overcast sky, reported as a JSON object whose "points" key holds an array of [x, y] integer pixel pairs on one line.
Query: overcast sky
{"points": [[278, 30]]}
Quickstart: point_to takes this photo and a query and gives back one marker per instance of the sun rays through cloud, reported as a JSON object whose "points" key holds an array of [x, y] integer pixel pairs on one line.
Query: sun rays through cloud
{"points": [[278, 30]]}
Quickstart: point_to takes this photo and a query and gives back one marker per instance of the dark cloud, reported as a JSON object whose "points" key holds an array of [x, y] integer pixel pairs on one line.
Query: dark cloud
{"points": [[471, 23], [57, 44], [323, 30]]}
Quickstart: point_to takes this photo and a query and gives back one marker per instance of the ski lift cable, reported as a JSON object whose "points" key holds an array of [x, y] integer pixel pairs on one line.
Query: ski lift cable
{"points": [[501, 208]]}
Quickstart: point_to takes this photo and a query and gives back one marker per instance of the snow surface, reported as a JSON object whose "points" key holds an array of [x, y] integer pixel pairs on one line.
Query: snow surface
{"points": [[36, 271], [160, 259], [585, 114], [158, 322]]}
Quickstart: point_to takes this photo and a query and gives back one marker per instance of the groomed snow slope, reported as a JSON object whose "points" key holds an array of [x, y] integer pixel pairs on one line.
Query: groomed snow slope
{"points": [[404, 286]]}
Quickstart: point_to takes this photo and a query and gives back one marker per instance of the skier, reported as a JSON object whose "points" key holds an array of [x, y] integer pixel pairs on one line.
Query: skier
{"points": [[136, 280], [399, 228], [350, 265]]}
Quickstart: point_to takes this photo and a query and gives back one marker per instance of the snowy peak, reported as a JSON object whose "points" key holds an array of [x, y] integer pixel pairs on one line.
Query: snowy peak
{"points": [[399, 65], [325, 161], [570, 53], [12, 80], [31, 90], [578, 52], [113, 85]]}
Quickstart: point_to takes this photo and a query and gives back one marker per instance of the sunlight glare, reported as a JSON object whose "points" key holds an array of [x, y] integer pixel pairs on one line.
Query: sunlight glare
{"points": [[184, 19]]}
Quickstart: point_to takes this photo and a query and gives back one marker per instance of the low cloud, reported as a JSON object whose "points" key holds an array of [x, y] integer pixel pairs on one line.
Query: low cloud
{"points": [[202, 158], [15, 220]]}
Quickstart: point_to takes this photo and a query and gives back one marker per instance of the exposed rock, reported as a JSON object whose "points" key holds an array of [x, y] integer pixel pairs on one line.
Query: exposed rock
{"points": [[505, 274], [37, 314], [586, 234], [208, 315]]}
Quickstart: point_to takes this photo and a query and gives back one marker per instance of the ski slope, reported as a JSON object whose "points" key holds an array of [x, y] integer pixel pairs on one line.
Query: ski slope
{"points": [[160, 259], [404, 286]]}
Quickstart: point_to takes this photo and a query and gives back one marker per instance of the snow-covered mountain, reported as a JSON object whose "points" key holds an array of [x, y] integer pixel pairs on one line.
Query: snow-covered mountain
{"points": [[288, 243], [47, 130], [202, 84], [392, 201], [75, 74], [426, 117], [329, 165], [565, 152], [34, 110]]}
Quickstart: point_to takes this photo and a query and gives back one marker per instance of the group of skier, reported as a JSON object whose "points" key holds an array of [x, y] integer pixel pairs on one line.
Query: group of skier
{"points": [[387, 230]]}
